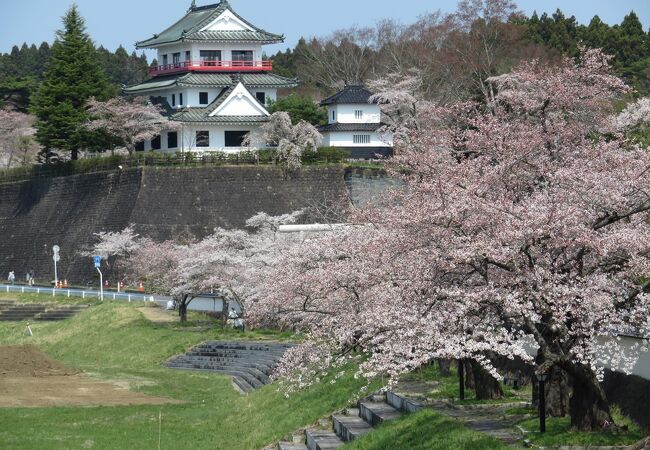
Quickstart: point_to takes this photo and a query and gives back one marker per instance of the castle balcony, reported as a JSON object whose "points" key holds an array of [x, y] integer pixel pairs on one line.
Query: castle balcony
{"points": [[211, 66]]}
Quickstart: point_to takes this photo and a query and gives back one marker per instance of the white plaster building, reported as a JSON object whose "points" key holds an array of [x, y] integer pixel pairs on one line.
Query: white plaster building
{"points": [[211, 77], [355, 123]]}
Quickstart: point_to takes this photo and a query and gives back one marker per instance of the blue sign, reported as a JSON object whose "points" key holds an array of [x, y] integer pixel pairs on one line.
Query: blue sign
{"points": [[98, 261]]}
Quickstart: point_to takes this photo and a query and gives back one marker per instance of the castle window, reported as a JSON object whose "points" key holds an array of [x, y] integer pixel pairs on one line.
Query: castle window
{"points": [[361, 139], [358, 114], [172, 139], [235, 138], [333, 116], [261, 96], [165, 60], [202, 138], [242, 55], [173, 99], [210, 57], [188, 56], [155, 143], [203, 98], [176, 59], [180, 99]]}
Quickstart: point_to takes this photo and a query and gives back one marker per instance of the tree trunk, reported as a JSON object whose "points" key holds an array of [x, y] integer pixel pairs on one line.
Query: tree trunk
{"points": [[557, 393], [74, 154], [589, 407], [557, 390], [444, 365], [485, 385], [182, 309], [469, 376]]}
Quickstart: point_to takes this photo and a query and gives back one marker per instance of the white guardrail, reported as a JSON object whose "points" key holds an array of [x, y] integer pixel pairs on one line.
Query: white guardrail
{"points": [[73, 292]]}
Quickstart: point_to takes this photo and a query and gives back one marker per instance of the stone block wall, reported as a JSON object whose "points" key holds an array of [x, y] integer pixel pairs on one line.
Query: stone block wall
{"points": [[162, 203]]}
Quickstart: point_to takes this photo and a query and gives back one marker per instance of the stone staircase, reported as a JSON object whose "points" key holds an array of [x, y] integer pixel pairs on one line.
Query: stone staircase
{"points": [[249, 363], [16, 312], [352, 423]]}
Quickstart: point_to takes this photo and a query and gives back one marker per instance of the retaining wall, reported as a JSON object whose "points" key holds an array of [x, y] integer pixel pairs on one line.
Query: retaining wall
{"points": [[163, 203]]}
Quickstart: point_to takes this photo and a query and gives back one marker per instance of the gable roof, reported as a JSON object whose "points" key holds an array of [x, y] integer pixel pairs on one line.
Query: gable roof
{"points": [[354, 94], [211, 80], [190, 28], [205, 114], [238, 93]]}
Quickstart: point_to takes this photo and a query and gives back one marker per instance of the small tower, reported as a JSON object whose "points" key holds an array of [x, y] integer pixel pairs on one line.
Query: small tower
{"points": [[355, 124]]}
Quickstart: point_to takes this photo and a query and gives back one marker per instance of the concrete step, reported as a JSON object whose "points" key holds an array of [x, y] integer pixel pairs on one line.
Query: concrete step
{"points": [[291, 446], [349, 428], [250, 379], [261, 376], [205, 356], [377, 412], [234, 354], [402, 403], [323, 440], [243, 384]]}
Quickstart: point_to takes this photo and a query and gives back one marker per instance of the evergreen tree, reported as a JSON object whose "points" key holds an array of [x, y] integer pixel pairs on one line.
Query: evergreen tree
{"points": [[73, 76], [630, 41], [300, 108]]}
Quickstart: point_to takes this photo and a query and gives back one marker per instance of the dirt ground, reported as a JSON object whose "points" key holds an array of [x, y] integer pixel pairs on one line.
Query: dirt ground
{"points": [[159, 315], [29, 379]]}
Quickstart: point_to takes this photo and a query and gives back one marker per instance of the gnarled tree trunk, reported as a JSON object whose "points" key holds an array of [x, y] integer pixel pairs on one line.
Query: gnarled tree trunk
{"points": [[485, 385], [556, 388], [588, 406]]}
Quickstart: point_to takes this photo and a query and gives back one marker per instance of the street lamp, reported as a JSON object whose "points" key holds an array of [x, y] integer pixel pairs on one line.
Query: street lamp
{"points": [[542, 401]]}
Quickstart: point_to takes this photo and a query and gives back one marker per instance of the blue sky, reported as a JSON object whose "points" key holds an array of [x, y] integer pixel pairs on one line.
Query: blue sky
{"points": [[111, 23]]}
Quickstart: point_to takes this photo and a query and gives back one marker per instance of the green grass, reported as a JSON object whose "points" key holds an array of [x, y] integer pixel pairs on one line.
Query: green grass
{"points": [[559, 432], [44, 298], [115, 342], [424, 430]]}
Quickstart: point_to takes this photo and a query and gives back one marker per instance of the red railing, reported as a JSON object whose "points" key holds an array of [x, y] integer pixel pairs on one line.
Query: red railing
{"points": [[211, 66]]}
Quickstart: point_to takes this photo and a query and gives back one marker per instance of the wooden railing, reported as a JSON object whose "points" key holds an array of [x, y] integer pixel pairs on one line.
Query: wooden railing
{"points": [[211, 66]]}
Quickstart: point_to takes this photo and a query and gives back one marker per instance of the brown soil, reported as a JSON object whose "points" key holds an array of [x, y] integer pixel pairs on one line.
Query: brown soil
{"points": [[29, 361], [29, 379]]}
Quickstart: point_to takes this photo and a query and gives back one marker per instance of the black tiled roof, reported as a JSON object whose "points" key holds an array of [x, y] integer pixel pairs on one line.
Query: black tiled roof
{"points": [[350, 127], [349, 95]]}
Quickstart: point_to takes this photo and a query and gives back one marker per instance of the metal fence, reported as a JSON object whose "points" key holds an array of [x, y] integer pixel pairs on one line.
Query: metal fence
{"points": [[73, 292]]}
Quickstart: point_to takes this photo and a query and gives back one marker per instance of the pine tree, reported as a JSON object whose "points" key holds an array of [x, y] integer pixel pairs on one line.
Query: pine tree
{"points": [[73, 76]]}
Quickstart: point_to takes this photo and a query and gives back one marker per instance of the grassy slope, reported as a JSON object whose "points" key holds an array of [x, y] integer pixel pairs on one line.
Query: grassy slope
{"points": [[115, 342], [422, 431]]}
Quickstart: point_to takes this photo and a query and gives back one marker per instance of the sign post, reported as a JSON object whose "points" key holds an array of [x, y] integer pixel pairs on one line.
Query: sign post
{"points": [[56, 257], [98, 263]]}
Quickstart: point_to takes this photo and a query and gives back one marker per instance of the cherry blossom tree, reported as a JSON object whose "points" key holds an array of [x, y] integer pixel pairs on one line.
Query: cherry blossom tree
{"points": [[291, 141], [129, 121], [232, 263], [17, 146], [524, 225]]}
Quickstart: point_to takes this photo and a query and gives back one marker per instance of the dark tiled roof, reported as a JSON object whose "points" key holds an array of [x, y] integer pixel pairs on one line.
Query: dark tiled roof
{"points": [[369, 152], [349, 95], [350, 127], [189, 29], [213, 80]]}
